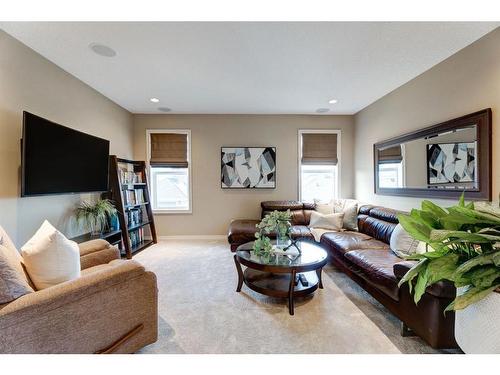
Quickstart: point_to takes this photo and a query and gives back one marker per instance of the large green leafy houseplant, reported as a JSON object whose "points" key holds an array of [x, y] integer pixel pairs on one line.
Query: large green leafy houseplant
{"points": [[462, 246]]}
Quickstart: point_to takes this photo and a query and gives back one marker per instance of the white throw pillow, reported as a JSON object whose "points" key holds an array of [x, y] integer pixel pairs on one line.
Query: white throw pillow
{"points": [[350, 209], [329, 221], [50, 258], [323, 208], [402, 244]]}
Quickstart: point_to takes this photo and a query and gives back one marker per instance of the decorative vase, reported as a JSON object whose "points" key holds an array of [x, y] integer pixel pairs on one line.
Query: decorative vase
{"points": [[477, 327], [282, 231]]}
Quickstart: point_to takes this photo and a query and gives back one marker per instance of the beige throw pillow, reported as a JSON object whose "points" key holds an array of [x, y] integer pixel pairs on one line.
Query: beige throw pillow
{"points": [[329, 221], [324, 208], [350, 209], [50, 258]]}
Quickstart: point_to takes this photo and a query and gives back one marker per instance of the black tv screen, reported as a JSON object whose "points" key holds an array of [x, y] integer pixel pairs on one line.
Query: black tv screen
{"points": [[58, 160]]}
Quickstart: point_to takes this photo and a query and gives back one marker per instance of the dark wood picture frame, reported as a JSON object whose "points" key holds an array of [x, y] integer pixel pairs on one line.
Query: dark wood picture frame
{"points": [[250, 188], [482, 119]]}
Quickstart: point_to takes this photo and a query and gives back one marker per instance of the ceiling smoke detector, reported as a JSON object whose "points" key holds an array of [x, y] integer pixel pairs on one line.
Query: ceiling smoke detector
{"points": [[102, 50], [322, 110], [164, 109]]}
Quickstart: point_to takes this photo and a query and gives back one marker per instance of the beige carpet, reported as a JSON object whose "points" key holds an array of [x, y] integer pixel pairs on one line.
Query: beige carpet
{"points": [[200, 312]]}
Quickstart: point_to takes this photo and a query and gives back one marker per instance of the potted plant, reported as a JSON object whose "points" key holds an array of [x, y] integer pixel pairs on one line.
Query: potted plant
{"points": [[463, 246], [95, 216], [278, 222]]}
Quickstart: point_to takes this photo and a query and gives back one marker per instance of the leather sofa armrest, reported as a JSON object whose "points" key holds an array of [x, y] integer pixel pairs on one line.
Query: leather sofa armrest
{"points": [[441, 289], [400, 269], [96, 252]]}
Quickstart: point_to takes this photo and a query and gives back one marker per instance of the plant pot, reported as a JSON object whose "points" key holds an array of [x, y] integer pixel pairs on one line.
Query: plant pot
{"points": [[477, 327]]}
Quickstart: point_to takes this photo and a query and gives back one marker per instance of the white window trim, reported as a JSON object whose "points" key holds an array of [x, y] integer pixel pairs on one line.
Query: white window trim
{"points": [[148, 168], [339, 156]]}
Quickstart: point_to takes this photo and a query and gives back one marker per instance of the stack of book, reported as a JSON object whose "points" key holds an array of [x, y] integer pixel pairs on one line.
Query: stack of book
{"points": [[132, 197], [134, 217], [136, 237], [129, 177]]}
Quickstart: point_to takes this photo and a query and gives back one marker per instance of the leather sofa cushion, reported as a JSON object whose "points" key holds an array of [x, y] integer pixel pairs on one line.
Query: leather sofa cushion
{"points": [[301, 231], [296, 208], [376, 228], [242, 231], [376, 267], [345, 241], [365, 209], [281, 205], [386, 214]]}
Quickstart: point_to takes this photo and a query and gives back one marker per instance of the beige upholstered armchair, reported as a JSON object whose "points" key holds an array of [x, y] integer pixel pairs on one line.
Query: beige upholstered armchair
{"points": [[111, 308]]}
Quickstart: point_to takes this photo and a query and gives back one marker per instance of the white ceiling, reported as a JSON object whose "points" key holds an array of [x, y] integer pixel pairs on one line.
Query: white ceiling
{"points": [[252, 67]]}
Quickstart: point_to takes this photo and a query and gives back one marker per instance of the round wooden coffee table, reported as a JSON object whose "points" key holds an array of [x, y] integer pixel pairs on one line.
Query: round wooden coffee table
{"points": [[281, 275]]}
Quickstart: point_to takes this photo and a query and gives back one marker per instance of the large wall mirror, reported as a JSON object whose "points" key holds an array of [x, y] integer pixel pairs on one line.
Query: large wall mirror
{"points": [[440, 161]]}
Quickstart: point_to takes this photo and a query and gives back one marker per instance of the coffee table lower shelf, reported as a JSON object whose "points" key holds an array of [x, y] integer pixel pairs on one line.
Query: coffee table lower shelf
{"points": [[280, 285]]}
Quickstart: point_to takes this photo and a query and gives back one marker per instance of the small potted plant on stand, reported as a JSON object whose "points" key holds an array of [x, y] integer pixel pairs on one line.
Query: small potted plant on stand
{"points": [[463, 246], [95, 216]]}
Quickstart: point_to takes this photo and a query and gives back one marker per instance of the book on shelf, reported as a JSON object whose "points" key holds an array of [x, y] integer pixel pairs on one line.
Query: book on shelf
{"points": [[136, 237], [134, 217], [133, 197], [129, 177]]}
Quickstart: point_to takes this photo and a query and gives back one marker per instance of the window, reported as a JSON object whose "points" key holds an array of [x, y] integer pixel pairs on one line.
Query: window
{"points": [[390, 175], [391, 167], [169, 154], [319, 152]]}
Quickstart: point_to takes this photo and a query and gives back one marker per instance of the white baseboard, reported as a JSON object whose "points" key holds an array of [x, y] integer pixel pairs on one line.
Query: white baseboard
{"points": [[195, 237]]}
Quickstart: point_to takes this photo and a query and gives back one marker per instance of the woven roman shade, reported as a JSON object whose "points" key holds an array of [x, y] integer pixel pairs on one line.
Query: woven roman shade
{"points": [[390, 155], [169, 150], [319, 148]]}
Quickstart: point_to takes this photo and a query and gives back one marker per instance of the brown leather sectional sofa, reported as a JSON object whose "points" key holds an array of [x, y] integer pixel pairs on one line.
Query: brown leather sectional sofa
{"points": [[366, 257]]}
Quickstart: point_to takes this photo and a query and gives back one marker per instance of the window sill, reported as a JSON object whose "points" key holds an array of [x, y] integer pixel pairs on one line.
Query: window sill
{"points": [[172, 212]]}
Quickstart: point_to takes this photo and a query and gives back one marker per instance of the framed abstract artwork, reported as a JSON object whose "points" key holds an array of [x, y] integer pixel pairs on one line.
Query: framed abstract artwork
{"points": [[248, 167], [451, 163]]}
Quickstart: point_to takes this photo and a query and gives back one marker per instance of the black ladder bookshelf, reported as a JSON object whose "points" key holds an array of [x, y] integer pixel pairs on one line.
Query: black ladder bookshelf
{"points": [[129, 191]]}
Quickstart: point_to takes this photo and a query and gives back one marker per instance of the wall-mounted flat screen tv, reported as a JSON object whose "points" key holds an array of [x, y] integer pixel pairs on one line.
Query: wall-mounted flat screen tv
{"points": [[59, 160]]}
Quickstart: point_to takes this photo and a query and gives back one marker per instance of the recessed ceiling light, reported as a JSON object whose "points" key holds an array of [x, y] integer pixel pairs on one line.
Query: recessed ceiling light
{"points": [[164, 109], [102, 50], [154, 100], [322, 110], [333, 101]]}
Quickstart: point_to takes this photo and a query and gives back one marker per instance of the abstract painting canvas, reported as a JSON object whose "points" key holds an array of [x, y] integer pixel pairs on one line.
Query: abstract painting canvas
{"points": [[451, 163], [248, 167]]}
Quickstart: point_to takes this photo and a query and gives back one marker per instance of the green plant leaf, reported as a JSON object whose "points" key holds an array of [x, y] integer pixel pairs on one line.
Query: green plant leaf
{"points": [[421, 285], [485, 217], [442, 268], [471, 296], [439, 235], [479, 260], [415, 227], [461, 200], [412, 272], [433, 208], [484, 277]]}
